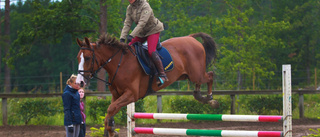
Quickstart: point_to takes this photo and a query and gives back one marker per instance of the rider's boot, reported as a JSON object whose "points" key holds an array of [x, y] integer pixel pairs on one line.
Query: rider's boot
{"points": [[158, 63]]}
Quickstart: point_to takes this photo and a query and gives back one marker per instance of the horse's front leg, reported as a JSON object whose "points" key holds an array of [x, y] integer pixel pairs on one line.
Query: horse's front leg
{"points": [[109, 127], [109, 124]]}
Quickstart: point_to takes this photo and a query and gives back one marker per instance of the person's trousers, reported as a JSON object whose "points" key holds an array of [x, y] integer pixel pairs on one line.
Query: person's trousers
{"points": [[82, 130], [76, 131], [152, 40]]}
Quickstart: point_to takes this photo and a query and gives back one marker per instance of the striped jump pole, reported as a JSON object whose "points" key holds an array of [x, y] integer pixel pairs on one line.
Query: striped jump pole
{"points": [[286, 118], [203, 132], [214, 117], [286, 94]]}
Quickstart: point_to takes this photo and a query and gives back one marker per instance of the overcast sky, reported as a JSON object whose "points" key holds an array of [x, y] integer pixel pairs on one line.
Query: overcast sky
{"points": [[2, 2]]}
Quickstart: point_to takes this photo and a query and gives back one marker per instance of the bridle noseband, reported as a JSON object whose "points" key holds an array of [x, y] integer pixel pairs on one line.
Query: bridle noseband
{"points": [[94, 59]]}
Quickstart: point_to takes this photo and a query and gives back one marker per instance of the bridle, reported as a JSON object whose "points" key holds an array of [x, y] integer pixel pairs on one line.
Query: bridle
{"points": [[94, 59]]}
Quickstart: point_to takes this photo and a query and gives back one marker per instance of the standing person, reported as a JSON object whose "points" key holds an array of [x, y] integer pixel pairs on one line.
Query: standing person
{"points": [[83, 124], [71, 107], [148, 29]]}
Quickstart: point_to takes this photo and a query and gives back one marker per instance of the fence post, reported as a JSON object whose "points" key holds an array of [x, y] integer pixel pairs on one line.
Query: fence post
{"points": [[130, 119], [287, 109], [233, 104], [159, 105], [4, 112], [301, 107], [315, 79], [60, 82]]}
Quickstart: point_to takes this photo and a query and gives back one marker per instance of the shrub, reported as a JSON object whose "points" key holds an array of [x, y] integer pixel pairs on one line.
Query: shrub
{"points": [[187, 104], [264, 104], [97, 108], [34, 107]]}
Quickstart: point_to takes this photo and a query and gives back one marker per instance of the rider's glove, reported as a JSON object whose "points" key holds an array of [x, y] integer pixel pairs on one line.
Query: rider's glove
{"points": [[122, 40], [129, 38]]}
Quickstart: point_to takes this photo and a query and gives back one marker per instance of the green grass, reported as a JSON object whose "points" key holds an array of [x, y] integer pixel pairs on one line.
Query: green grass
{"points": [[56, 120]]}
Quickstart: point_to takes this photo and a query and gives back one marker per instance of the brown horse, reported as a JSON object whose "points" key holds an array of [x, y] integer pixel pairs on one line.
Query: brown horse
{"points": [[128, 82]]}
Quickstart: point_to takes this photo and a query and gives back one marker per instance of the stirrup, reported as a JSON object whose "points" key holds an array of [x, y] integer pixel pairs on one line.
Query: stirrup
{"points": [[161, 81]]}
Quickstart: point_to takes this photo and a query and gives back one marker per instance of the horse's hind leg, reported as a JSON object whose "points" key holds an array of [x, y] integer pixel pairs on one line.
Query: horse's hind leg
{"points": [[210, 101], [206, 100]]}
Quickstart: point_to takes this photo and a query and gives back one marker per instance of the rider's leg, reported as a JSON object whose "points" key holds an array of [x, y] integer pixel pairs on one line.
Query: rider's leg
{"points": [[152, 45], [136, 39], [158, 63]]}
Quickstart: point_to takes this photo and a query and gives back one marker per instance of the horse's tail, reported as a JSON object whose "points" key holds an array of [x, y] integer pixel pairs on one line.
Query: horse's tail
{"points": [[209, 46]]}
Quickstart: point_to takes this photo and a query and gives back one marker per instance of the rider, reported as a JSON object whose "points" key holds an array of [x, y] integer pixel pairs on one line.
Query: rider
{"points": [[148, 29]]}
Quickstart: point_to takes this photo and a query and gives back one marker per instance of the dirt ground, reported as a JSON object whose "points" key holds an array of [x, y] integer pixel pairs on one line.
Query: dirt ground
{"points": [[300, 128]]}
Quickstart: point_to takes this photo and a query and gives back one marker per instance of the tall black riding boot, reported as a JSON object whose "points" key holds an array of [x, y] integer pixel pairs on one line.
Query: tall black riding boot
{"points": [[158, 63]]}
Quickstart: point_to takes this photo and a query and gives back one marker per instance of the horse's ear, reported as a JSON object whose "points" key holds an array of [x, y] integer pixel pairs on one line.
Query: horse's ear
{"points": [[87, 41], [79, 43]]}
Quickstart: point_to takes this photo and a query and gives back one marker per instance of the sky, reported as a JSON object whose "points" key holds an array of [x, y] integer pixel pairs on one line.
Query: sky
{"points": [[2, 2]]}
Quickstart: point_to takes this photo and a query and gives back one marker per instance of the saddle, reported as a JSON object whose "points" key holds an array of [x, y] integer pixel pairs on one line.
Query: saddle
{"points": [[147, 64]]}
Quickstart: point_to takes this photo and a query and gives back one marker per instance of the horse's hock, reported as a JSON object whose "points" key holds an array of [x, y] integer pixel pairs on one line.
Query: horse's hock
{"points": [[206, 100]]}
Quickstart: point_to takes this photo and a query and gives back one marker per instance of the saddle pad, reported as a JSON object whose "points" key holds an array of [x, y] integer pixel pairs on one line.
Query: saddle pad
{"points": [[166, 59]]}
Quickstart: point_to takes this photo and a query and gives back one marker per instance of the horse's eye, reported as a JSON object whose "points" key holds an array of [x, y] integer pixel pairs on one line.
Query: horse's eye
{"points": [[87, 58]]}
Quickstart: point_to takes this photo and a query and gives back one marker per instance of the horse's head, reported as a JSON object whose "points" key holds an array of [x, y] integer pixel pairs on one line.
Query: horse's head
{"points": [[89, 60], [88, 63]]}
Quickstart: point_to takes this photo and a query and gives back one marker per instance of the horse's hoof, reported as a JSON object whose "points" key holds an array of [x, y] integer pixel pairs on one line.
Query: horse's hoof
{"points": [[115, 134], [214, 104]]}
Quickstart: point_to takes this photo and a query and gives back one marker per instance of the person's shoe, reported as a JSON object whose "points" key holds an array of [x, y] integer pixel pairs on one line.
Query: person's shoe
{"points": [[158, 63]]}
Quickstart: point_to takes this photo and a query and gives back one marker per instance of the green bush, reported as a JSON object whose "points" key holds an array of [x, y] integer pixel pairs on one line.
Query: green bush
{"points": [[264, 104], [187, 104], [29, 108], [99, 107]]}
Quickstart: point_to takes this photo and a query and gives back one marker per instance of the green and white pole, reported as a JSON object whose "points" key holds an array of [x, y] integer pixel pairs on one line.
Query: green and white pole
{"points": [[214, 117], [202, 132]]}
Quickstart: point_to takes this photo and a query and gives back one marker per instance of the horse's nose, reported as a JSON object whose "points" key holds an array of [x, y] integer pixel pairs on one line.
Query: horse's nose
{"points": [[80, 80], [81, 84]]}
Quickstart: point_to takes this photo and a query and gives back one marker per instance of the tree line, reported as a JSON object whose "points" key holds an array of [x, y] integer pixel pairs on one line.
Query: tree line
{"points": [[254, 37]]}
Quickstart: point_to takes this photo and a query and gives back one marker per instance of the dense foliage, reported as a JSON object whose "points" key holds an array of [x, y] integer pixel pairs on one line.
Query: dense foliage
{"points": [[27, 109], [255, 38], [98, 108]]}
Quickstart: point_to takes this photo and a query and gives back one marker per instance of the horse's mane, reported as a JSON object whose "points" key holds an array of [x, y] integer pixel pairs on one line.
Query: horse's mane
{"points": [[111, 41]]}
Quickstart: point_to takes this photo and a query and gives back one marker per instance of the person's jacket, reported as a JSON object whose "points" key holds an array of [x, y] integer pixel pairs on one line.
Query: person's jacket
{"points": [[142, 15], [71, 106], [82, 112]]}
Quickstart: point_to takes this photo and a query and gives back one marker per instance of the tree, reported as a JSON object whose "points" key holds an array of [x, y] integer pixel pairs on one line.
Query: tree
{"points": [[46, 24], [304, 35], [101, 86], [7, 75], [243, 45]]}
